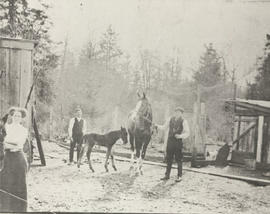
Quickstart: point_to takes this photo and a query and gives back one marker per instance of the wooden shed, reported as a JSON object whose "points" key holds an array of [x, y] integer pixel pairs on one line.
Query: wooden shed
{"points": [[16, 72], [251, 132]]}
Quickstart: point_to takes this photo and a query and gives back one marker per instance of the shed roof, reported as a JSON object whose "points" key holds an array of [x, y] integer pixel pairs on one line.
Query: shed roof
{"points": [[250, 107]]}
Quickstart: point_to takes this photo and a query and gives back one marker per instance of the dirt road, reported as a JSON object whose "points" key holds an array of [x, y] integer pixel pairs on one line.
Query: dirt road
{"points": [[59, 187]]}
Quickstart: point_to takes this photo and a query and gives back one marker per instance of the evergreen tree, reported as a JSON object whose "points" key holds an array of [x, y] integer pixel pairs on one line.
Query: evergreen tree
{"points": [[260, 89], [109, 50], [209, 72], [21, 21]]}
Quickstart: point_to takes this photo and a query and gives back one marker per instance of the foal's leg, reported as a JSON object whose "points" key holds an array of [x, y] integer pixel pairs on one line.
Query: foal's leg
{"points": [[113, 164], [81, 154], [107, 158], [88, 154]]}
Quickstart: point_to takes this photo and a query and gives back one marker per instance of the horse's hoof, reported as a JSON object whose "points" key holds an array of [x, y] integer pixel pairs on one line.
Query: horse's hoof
{"points": [[114, 168]]}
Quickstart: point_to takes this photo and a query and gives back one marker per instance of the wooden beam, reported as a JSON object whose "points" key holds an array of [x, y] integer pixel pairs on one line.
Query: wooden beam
{"points": [[247, 113], [260, 139], [261, 182], [245, 119], [238, 133], [244, 133], [40, 149], [254, 107], [17, 44]]}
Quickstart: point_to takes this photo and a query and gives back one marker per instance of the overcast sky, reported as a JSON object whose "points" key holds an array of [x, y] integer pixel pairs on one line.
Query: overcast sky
{"points": [[237, 29]]}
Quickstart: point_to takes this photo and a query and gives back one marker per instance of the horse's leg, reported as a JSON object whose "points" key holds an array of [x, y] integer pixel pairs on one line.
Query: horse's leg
{"points": [[138, 144], [107, 158], [143, 152], [81, 154], [88, 154], [113, 164], [131, 140]]}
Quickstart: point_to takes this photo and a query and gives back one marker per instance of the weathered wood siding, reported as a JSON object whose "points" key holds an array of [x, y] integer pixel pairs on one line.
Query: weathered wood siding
{"points": [[16, 70]]}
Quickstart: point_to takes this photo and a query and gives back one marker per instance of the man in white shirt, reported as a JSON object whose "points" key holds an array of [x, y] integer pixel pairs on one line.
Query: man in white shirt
{"points": [[76, 130], [178, 130]]}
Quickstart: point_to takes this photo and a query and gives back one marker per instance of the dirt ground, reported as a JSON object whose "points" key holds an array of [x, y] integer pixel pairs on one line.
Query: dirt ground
{"points": [[59, 187]]}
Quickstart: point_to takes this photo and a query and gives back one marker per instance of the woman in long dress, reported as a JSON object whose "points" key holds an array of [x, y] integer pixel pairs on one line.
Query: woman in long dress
{"points": [[13, 186]]}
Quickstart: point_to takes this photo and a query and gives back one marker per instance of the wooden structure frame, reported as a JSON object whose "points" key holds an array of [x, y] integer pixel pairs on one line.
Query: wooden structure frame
{"points": [[251, 131], [16, 80]]}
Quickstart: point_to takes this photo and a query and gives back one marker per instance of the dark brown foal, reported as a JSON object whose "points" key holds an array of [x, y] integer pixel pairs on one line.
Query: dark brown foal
{"points": [[106, 140]]}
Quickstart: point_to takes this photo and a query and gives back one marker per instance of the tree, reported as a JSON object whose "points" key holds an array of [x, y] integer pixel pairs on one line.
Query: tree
{"points": [[21, 21], [109, 49], [260, 89], [209, 72]]}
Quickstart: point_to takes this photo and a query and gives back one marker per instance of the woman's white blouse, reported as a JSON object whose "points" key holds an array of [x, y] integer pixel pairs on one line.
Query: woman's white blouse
{"points": [[16, 136]]}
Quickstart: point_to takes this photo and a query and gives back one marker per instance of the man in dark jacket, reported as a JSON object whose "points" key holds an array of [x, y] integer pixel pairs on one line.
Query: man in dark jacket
{"points": [[178, 130], [76, 130]]}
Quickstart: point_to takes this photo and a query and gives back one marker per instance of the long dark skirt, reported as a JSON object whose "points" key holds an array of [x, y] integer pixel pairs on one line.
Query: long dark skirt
{"points": [[13, 180]]}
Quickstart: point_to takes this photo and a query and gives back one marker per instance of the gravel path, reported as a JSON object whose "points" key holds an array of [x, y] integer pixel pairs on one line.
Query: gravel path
{"points": [[59, 187]]}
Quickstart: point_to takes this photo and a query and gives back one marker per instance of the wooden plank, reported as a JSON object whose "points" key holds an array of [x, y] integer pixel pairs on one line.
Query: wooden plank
{"points": [[263, 166], [3, 96], [238, 132], [25, 76], [14, 77], [16, 44], [26, 80], [260, 136], [195, 137], [244, 133], [261, 182], [7, 80], [253, 107], [240, 156], [250, 119], [40, 149]]}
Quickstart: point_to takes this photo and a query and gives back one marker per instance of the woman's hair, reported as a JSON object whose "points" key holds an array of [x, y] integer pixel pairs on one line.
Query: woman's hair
{"points": [[23, 111]]}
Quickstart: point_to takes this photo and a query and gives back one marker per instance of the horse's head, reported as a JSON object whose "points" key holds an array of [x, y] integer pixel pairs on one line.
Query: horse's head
{"points": [[123, 133], [143, 109]]}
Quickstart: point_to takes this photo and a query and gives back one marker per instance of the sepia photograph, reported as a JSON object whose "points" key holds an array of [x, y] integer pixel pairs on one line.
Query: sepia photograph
{"points": [[135, 106]]}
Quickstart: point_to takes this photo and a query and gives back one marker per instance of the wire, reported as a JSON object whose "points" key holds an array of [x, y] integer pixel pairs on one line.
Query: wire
{"points": [[14, 196]]}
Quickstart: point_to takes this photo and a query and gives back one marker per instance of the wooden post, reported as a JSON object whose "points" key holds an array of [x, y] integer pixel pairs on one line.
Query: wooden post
{"points": [[40, 149], [260, 139], [51, 123], [238, 132], [203, 127], [195, 135], [196, 127]]}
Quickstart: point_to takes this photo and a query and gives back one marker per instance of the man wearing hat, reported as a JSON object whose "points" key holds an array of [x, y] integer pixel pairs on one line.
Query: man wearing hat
{"points": [[76, 130], [178, 130]]}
